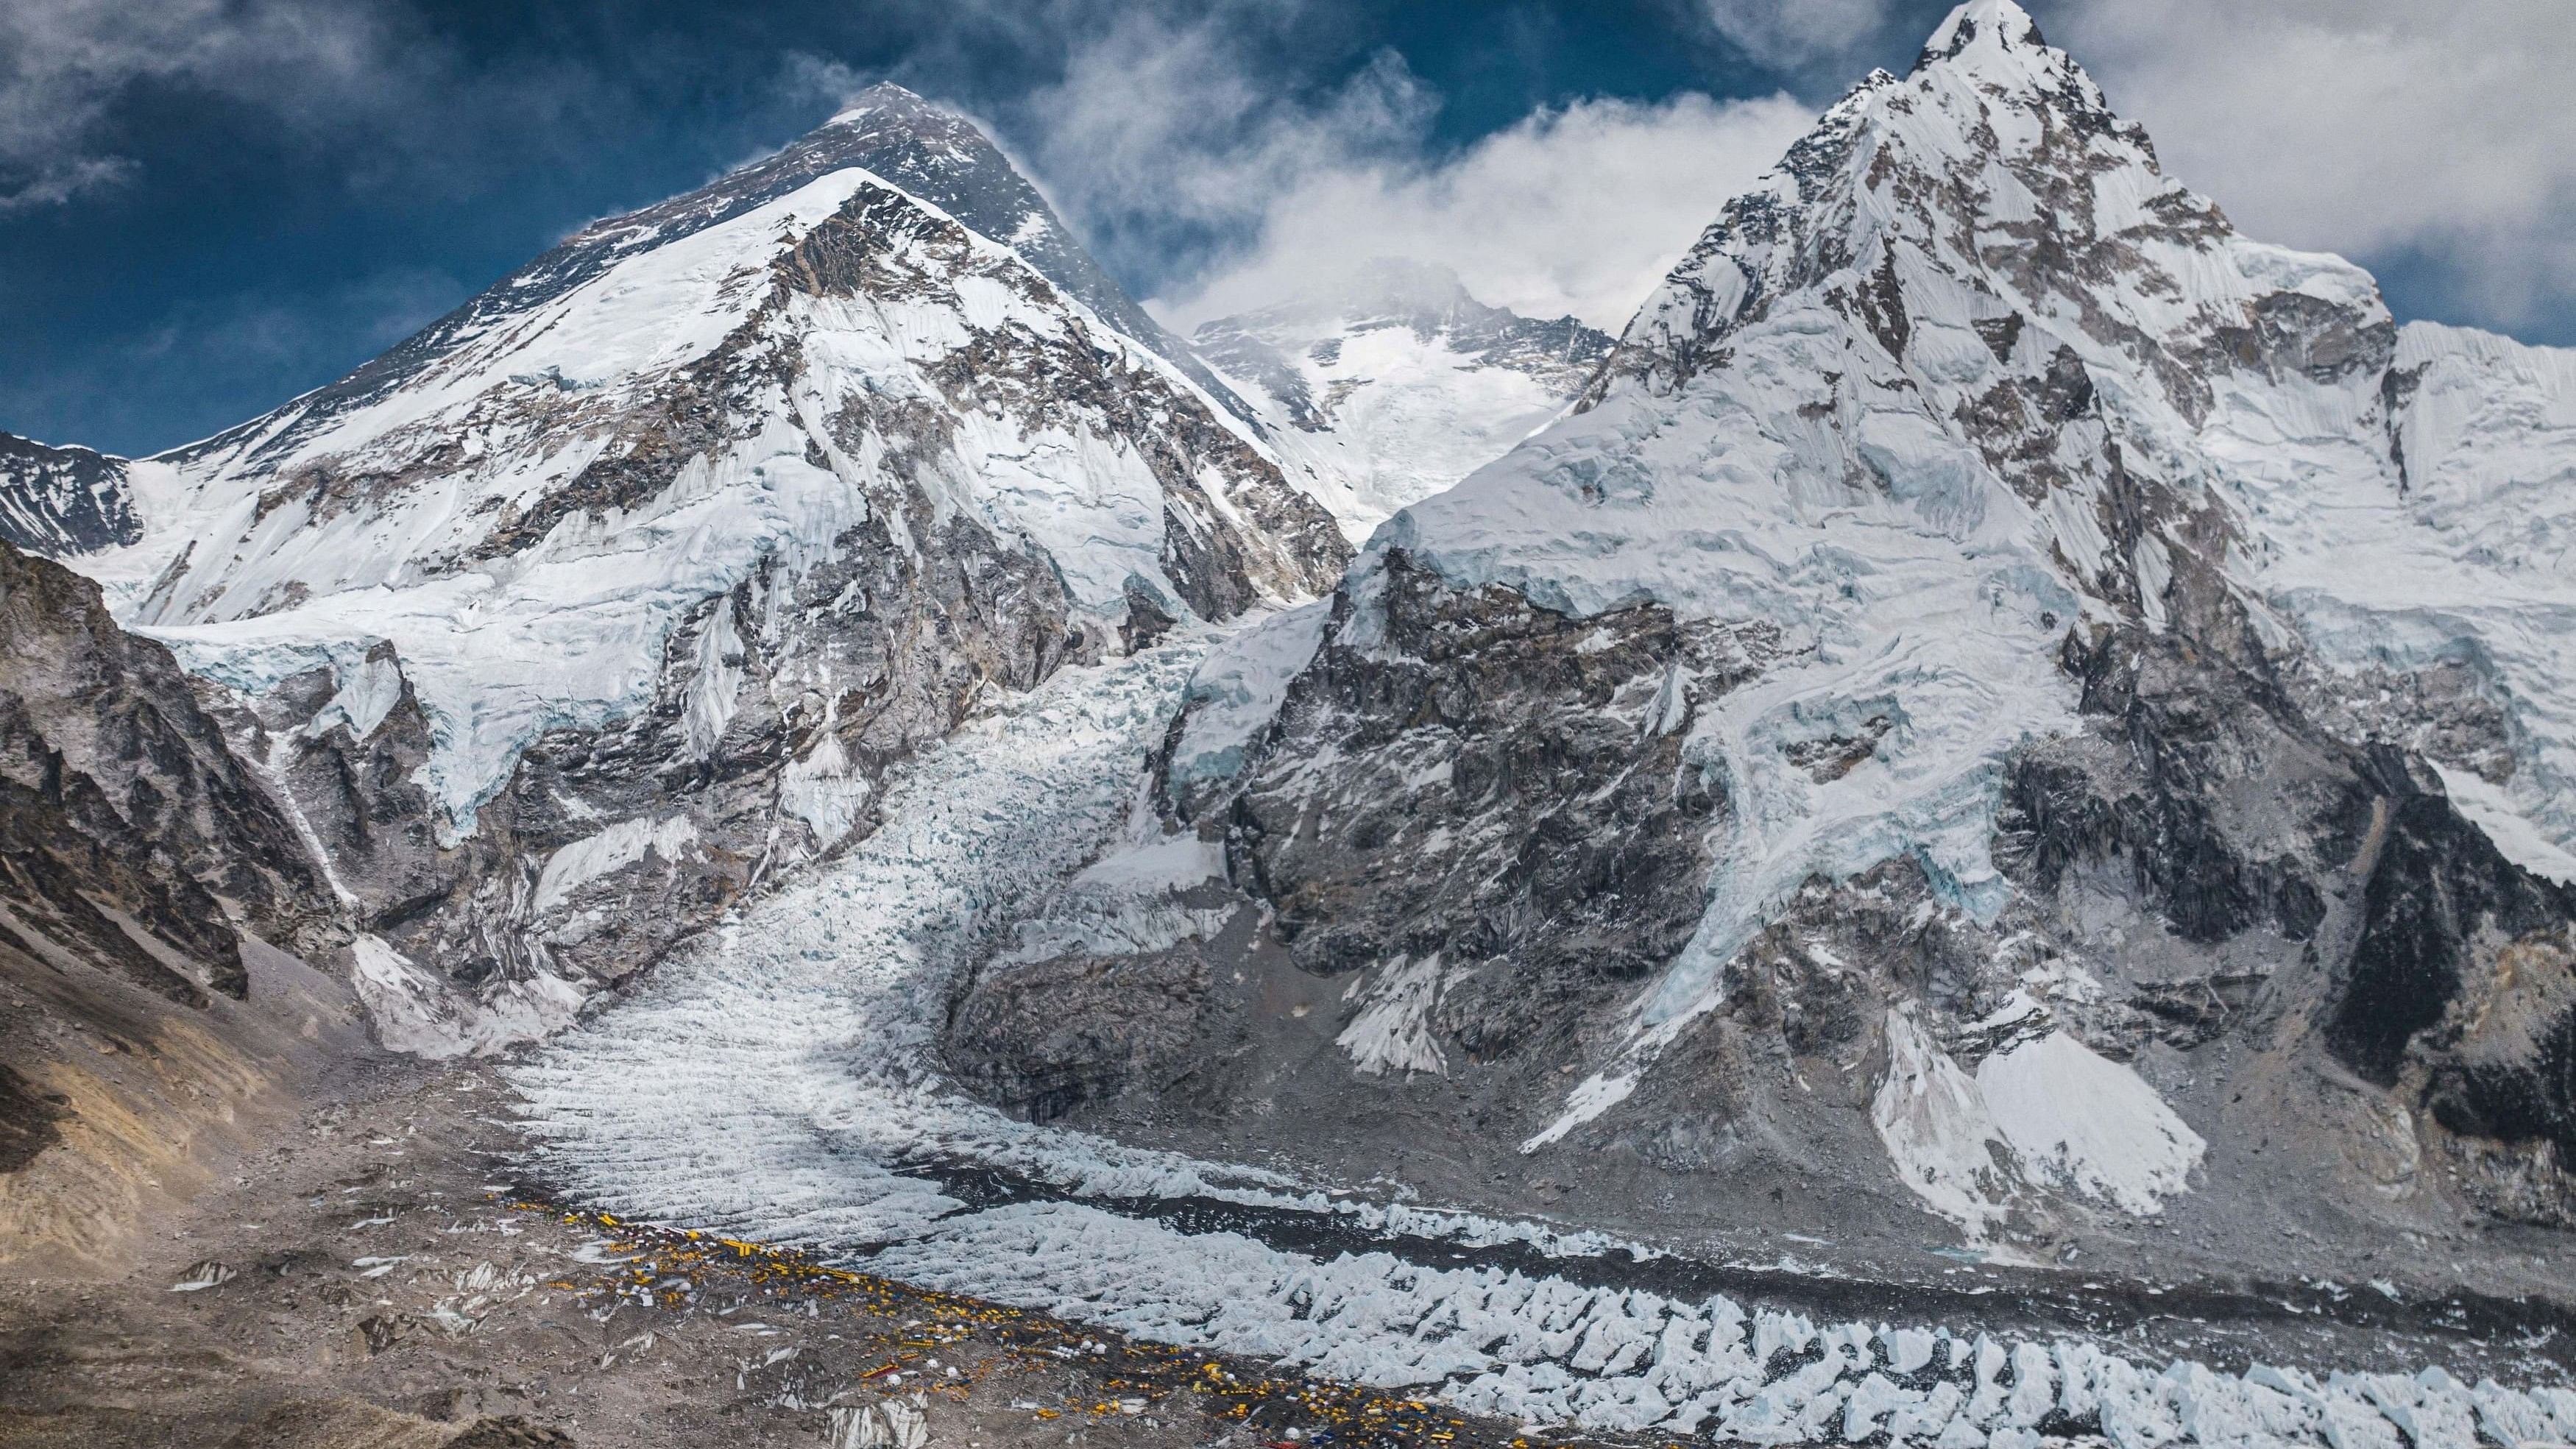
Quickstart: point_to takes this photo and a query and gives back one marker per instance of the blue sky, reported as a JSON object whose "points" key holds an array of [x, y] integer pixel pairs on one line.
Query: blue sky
{"points": [[207, 206]]}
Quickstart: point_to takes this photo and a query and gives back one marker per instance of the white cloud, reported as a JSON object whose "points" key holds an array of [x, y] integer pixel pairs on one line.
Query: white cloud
{"points": [[1577, 211], [1167, 141], [1173, 152], [2376, 128], [1789, 34]]}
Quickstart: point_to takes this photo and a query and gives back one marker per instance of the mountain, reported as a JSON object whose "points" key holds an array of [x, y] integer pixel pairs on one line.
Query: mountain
{"points": [[62, 501], [2006, 701], [133, 841], [151, 887], [618, 589], [1394, 383], [1983, 803], [940, 157]]}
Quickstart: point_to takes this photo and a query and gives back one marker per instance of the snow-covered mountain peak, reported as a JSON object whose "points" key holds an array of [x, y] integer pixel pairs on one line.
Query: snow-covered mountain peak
{"points": [[657, 554], [931, 153], [1391, 381], [1984, 33], [937, 154], [881, 100], [1996, 167], [1969, 478], [1995, 50]]}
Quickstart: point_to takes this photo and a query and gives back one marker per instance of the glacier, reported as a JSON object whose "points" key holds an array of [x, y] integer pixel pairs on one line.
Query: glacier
{"points": [[805, 1110]]}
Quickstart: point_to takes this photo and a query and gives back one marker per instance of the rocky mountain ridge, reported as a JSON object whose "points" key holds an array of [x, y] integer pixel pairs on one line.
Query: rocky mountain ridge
{"points": [[60, 501], [2007, 701], [615, 592], [151, 886]]}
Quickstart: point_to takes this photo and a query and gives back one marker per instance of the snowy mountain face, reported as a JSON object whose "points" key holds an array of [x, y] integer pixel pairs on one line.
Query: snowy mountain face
{"points": [[617, 589], [62, 501], [1395, 384], [944, 160], [2007, 701]]}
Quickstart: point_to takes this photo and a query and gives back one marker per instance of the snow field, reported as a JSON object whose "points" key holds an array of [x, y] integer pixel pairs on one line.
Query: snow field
{"points": [[1408, 417]]}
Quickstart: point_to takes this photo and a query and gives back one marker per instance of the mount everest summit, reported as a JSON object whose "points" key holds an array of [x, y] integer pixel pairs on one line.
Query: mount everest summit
{"points": [[1997, 714], [633, 573]]}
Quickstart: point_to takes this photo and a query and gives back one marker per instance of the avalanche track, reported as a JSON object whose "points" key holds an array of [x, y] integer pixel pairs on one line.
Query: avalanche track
{"points": [[774, 1081]]}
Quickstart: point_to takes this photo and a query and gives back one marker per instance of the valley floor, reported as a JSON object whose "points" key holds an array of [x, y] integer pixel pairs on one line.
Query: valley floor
{"points": [[379, 1280]]}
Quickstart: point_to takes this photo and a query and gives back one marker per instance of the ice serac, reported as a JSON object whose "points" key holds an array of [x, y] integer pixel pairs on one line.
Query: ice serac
{"points": [[1390, 384], [614, 592], [63, 501], [1955, 720]]}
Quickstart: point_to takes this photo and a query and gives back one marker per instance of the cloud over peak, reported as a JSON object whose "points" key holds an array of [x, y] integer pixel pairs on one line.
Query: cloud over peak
{"points": [[1177, 152], [1574, 210], [2392, 131]]}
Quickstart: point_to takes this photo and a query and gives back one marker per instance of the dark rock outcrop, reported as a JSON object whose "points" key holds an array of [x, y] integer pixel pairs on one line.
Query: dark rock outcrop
{"points": [[1508, 796], [130, 835], [151, 1026]]}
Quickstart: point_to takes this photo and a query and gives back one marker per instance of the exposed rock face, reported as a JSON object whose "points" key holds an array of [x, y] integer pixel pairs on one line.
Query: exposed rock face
{"points": [[1556, 740], [149, 1019], [1063, 1030], [1396, 383], [1981, 710], [130, 837], [62, 501], [616, 591]]}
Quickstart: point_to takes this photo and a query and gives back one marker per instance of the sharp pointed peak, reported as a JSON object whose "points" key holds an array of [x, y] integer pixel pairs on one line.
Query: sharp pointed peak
{"points": [[1982, 29], [883, 98]]}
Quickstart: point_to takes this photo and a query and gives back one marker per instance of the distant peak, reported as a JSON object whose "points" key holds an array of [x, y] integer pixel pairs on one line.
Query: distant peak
{"points": [[885, 97], [1380, 287], [1996, 27], [15, 443]]}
